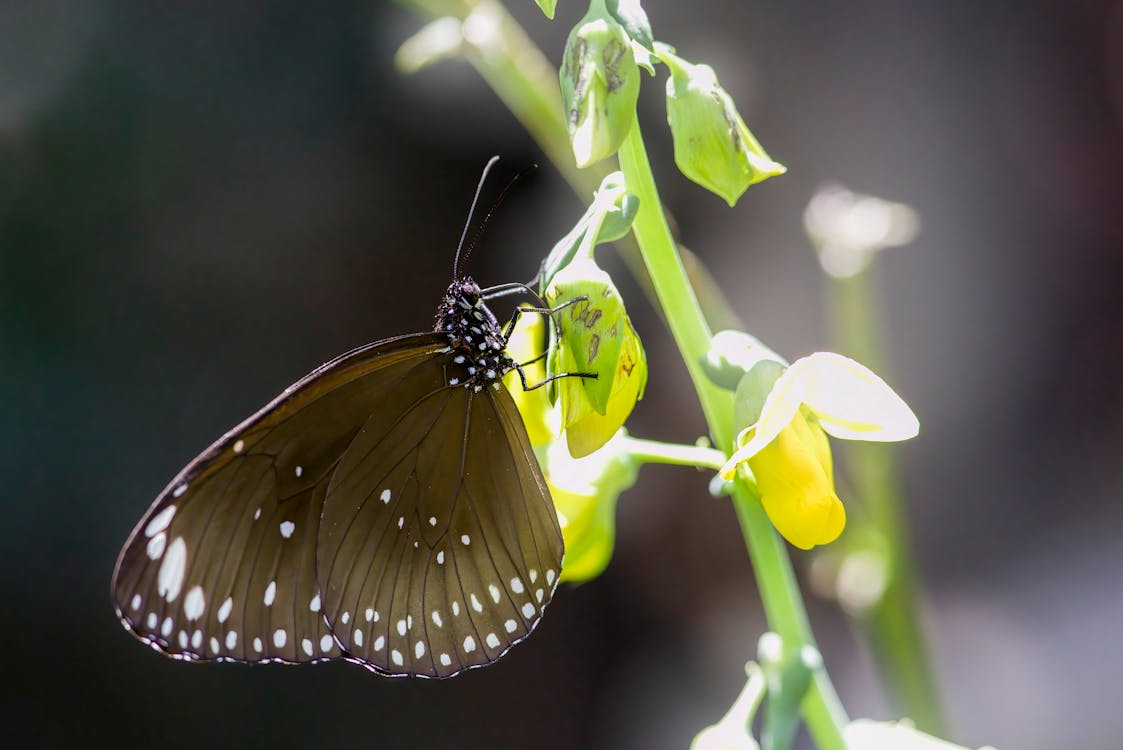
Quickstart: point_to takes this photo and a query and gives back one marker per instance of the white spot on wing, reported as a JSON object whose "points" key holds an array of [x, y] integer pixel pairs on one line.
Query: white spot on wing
{"points": [[197, 639], [538, 595], [270, 593], [224, 610], [239, 446], [494, 591], [533, 575], [287, 527], [492, 640], [432, 520], [379, 642], [135, 603], [396, 657], [257, 514], [170, 578], [401, 627], [152, 621], [385, 496], [419, 649], [257, 645], [510, 626], [357, 637], [446, 661], [528, 610], [166, 627], [326, 642], [231, 640], [280, 637], [517, 585], [550, 577], [369, 613], [299, 471], [306, 645], [214, 644], [476, 604], [456, 609], [437, 618], [160, 521], [183, 639], [441, 557], [346, 617], [194, 603], [156, 546], [469, 644], [465, 539], [179, 490], [314, 605]]}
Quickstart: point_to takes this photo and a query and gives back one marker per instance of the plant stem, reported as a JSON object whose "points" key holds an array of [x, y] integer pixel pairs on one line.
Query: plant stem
{"points": [[684, 315], [654, 452], [779, 591], [893, 625]]}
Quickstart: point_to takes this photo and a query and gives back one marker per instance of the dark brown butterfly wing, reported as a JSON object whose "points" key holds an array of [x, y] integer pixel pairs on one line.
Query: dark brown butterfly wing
{"points": [[222, 566], [439, 546]]}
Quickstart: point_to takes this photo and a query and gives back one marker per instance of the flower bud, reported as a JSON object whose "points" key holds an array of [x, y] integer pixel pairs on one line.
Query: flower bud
{"points": [[713, 146], [600, 84], [597, 338]]}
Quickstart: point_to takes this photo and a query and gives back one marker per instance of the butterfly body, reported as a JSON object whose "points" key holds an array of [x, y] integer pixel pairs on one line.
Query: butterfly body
{"points": [[386, 509]]}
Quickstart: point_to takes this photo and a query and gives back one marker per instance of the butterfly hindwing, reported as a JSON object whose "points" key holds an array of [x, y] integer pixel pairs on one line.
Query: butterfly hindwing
{"points": [[222, 566], [439, 545]]}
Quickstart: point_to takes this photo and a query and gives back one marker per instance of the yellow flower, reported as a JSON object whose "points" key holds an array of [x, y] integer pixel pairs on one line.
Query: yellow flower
{"points": [[585, 492], [787, 451], [528, 341]]}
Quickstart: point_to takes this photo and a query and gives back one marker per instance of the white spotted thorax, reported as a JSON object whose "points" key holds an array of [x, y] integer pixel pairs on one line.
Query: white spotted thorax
{"points": [[335, 523], [474, 336]]}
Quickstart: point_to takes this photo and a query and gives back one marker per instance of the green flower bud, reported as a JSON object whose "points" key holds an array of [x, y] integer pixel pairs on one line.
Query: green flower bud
{"points": [[600, 85], [713, 146], [787, 671], [596, 336]]}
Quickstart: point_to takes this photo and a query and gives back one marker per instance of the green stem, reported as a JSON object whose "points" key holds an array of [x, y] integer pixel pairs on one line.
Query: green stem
{"points": [[779, 591], [892, 626], [684, 315], [655, 452]]}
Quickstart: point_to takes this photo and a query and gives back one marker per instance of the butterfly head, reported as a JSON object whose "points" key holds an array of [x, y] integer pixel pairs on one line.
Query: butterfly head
{"points": [[475, 338]]}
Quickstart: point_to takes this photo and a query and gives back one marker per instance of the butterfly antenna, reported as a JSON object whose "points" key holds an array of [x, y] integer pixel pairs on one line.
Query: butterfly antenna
{"points": [[490, 212], [471, 212]]}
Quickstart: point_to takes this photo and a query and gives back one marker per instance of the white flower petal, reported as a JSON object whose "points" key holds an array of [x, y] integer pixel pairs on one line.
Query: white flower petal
{"points": [[850, 401], [779, 408]]}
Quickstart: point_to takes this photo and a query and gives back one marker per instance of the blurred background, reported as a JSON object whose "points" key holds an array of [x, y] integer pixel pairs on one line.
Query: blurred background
{"points": [[199, 202]]}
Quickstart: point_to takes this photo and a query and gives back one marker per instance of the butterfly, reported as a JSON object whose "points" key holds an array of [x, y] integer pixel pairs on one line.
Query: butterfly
{"points": [[386, 509]]}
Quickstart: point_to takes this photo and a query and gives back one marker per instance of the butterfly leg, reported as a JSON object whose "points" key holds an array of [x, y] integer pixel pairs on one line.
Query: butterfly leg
{"points": [[540, 310], [526, 387]]}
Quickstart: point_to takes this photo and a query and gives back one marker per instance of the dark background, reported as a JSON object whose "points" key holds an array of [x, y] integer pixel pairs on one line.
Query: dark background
{"points": [[200, 202]]}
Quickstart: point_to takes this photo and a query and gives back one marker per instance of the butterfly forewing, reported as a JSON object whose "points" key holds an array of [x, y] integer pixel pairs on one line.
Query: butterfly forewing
{"points": [[223, 565], [428, 547]]}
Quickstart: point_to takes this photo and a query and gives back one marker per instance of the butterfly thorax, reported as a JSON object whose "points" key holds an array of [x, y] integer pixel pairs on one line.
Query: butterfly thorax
{"points": [[474, 337]]}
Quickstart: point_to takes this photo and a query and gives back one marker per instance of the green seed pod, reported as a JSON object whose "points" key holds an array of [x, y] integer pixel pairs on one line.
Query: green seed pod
{"points": [[600, 84], [713, 146]]}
